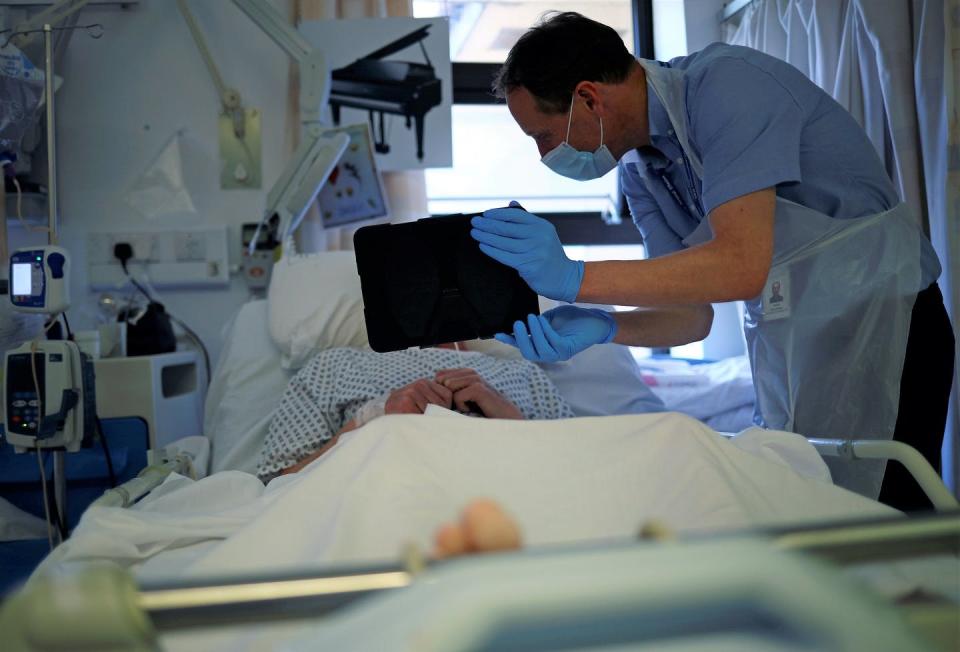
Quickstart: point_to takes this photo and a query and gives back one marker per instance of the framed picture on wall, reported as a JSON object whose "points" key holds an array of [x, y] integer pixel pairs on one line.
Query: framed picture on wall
{"points": [[354, 191], [394, 73]]}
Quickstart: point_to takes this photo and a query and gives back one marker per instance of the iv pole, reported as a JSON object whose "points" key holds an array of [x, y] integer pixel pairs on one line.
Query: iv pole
{"points": [[53, 222]]}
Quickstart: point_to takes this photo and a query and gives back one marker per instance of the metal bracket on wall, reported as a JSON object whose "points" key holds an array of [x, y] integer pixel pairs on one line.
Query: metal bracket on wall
{"points": [[240, 155]]}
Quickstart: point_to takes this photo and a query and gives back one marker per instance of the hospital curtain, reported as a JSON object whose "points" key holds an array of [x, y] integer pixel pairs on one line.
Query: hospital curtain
{"points": [[943, 186], [894, 66], [406, 191]]}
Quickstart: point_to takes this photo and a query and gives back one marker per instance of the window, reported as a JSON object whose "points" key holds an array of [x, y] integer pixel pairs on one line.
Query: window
{"points": [[485, 30], [491, 171]]}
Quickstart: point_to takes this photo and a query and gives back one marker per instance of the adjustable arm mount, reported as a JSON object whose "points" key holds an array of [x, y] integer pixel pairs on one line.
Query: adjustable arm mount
{"points": [[314, 76], [316, 155]]}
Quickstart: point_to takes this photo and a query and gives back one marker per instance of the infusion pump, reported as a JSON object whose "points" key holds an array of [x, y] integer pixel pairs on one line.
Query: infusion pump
{"points": [[48, 393], [60, 414], [39, 279]]}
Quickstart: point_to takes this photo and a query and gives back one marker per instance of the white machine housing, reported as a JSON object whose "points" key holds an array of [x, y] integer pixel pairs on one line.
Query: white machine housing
{"points": [[59, 375], [39, 279]]}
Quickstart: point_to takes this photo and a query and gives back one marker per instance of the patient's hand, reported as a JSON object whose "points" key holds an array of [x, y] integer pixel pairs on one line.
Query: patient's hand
{"points": [[469, 387], [415, 397]]}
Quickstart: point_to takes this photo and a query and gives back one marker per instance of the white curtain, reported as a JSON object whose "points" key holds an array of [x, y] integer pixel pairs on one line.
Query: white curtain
{"points": [[894, 65], [406, 191], [942, 137]]}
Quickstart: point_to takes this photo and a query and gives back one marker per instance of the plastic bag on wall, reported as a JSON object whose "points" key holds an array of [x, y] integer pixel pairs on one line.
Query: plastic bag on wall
{"points": [[21, 90], [160, 190]]}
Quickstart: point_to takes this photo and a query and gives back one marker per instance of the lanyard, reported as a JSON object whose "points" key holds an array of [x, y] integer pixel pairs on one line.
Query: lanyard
{"points": [[691, 183], [668, 184], [692, 186], [661, 173]]}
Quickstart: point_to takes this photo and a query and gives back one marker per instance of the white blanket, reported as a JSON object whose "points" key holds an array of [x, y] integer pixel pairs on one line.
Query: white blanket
{"points": [[395, 480]]}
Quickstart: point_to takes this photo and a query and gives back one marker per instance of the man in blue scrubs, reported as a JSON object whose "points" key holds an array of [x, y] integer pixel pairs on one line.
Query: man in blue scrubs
{"points": [[742, 176]]}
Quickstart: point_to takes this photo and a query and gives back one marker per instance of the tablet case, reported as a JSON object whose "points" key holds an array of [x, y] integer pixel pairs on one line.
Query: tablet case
{"points": [[427, 282]]}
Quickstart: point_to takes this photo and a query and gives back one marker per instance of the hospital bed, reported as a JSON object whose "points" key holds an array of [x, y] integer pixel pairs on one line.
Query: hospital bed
{"points": [[362, 505], [786, 589]]}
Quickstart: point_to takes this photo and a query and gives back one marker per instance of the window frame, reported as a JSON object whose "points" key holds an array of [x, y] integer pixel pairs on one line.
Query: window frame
{"points": [[472, 84]]}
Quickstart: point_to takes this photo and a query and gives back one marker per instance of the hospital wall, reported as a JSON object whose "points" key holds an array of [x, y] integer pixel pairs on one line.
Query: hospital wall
{"points": [[124, 96]]}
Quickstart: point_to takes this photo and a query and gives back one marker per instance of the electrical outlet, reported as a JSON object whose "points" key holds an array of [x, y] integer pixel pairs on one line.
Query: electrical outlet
{"points": [[99, 248], [144, 245], [182, 257], [190, 247]]}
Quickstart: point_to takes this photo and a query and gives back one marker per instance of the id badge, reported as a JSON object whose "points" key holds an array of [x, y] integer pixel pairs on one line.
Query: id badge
{"points": [[776, 297]]}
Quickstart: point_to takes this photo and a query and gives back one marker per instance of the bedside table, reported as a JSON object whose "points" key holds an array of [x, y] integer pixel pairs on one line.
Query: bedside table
{"points": [[165, 390]]}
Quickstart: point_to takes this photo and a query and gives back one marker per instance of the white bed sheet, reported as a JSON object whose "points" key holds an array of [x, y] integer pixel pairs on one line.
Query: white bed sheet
{"points": [[398, 478]]}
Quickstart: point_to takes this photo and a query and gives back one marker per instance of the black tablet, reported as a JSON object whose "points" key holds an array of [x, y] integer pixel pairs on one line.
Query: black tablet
{"points": [[427, 282]]}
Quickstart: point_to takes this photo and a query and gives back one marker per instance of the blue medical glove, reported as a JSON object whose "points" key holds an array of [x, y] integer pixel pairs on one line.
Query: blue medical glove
{"points": [[530, 245], [561, 333]]}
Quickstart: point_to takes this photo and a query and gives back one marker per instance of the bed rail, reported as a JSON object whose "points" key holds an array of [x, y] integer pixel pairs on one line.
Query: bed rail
{"points": [[148, 479], [208, 602], [871, 449], [915, 463], [124, 613]]}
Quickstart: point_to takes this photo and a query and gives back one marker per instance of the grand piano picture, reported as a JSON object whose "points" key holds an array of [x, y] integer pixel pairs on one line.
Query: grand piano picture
{"points": [[397, 79]]}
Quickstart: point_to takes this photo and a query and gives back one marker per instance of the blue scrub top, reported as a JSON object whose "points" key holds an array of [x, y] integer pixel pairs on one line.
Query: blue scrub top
{"points": [[755, 122]]}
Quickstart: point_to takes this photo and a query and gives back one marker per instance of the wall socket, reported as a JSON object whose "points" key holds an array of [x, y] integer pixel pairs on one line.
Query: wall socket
{"points": [[168, 258]]}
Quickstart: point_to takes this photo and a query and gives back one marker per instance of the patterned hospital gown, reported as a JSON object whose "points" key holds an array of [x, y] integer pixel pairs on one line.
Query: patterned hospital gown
{"points": [[323, 396]]}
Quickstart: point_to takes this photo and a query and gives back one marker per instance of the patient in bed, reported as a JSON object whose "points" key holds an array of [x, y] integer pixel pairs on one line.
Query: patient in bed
{"points": [[341, 389]]}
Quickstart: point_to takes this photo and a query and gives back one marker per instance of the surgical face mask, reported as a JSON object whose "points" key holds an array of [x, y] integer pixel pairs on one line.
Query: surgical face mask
{"points": [[574, 164]]}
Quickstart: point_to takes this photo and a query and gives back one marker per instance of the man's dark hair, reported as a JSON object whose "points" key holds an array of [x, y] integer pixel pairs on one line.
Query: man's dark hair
{"points": [[558, 53]]}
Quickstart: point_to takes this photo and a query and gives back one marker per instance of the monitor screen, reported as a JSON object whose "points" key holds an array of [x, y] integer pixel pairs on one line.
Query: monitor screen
{"points": [[22, 279]]}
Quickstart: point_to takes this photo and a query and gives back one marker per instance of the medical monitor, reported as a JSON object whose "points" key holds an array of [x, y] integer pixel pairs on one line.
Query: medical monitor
{"points": [[427, 282], [39, 279]]}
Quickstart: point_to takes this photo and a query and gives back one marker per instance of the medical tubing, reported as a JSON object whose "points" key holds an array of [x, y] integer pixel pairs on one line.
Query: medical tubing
{"points": [[61, 519], [16, 184], [106, 451], [46, 499], [50, 501]]}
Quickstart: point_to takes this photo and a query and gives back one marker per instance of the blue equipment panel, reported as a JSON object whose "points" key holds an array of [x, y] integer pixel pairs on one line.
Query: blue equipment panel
{"points": [[87, 479]]}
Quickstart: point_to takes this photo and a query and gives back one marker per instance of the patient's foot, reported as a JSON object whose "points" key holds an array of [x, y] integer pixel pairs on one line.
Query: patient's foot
{"points": [[484, 527]]}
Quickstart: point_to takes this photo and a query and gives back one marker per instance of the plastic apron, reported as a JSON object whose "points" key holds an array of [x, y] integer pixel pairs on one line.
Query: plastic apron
{"points": [[828, 335]]}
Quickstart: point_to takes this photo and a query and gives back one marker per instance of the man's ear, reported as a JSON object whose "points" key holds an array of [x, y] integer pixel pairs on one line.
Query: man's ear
{"points": [[589, 93]]}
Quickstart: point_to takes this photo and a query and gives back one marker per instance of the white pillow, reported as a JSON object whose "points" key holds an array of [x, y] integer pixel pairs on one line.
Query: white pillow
{"points": [[315, 304], [245, 388]]}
